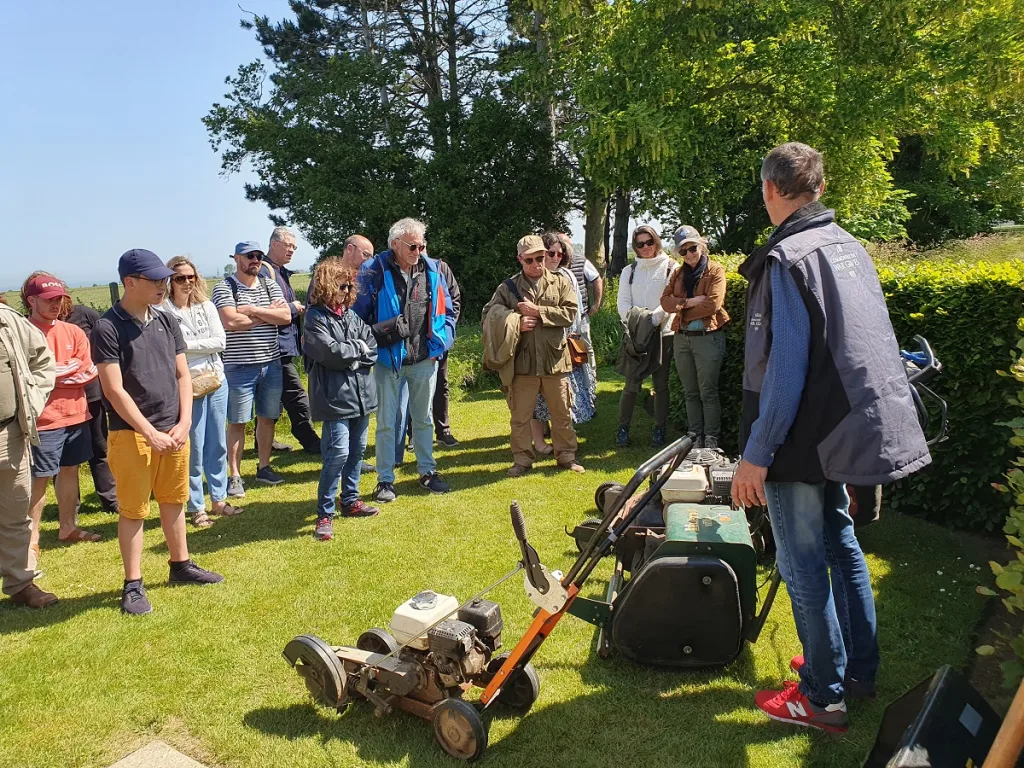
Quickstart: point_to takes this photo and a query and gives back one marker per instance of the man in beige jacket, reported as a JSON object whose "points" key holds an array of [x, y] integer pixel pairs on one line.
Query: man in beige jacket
{"points": [[545, 303], [26, 377]]}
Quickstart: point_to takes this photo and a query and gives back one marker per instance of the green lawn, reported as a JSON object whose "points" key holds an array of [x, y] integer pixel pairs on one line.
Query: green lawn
{"points": [[83, 685]]}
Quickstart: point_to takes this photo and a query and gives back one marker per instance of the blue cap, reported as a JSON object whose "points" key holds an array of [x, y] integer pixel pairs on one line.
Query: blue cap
{"points": [[248, 246], [139, 261], [686, 234]]}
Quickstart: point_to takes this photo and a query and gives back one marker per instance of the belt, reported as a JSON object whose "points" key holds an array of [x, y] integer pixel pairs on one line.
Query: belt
{"points": [[705, 332]]}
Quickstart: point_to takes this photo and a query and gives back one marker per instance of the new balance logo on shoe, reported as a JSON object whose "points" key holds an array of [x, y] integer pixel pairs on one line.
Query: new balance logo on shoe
{"points": [[796, 709]]}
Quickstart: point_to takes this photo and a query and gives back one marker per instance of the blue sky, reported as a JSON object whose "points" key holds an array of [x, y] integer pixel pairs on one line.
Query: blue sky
{"points": [[101, 144]]}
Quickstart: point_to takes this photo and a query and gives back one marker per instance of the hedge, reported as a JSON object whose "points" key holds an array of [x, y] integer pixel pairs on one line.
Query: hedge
{"points": [[969, 313]]}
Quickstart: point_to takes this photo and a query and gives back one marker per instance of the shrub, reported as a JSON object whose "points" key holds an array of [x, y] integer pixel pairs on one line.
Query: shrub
{"points": [[1010, 577], [968, 311]]}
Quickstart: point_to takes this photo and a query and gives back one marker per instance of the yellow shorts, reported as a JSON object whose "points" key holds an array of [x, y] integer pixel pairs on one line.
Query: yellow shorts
{"points": [[140, 473]]}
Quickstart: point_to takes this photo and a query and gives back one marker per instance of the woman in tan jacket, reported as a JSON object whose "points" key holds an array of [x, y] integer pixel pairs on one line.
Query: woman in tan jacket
{"points": [[696, 293]]}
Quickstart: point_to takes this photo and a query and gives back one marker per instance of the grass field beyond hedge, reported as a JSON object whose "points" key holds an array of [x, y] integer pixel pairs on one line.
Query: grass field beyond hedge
{"points": [[83, 685]]}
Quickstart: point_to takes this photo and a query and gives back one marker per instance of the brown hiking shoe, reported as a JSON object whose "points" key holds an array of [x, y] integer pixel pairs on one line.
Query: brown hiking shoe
{"points": [[517, 470], [572, 467], [33, 597]]}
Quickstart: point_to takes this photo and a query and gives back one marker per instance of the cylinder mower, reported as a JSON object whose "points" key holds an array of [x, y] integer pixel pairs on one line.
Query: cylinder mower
{"points": [[690, 602]]}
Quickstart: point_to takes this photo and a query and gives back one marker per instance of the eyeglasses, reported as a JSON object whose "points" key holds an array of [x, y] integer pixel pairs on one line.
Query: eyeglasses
{"points": [[179, 279], [645, 244], [691, 249], [414, 247], [531, 260], [151, 281], [252, 256]]}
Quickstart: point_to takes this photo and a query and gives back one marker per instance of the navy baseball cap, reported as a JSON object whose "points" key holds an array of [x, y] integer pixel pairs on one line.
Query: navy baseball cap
{"points": [[139, 261], [248, 246]]}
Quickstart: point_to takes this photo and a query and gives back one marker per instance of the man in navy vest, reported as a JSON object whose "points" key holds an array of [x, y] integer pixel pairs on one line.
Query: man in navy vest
{"points": [[826, 402], [405, 300]]}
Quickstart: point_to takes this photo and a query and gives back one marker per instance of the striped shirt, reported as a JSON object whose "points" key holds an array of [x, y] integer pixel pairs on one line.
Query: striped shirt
{"points": [[257, 345]]}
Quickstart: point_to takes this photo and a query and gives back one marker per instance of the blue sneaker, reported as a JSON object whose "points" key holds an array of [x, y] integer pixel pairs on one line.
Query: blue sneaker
{"points": [[658, 437], [622, 437], [268, 476], [133, 599]]}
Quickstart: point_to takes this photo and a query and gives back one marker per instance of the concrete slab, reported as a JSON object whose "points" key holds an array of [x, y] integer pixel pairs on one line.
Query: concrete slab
{"points": [[156, 754]]}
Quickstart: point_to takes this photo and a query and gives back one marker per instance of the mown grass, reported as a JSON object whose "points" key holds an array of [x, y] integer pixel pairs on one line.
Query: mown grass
{"points": [[83, 685]]}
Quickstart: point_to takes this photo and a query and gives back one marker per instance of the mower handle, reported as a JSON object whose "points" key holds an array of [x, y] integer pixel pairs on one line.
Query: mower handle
{"points": [[674, 452], [924, 360]]}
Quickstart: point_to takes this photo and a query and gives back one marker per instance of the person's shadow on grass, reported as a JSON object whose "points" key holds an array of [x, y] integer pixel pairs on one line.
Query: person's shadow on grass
{"points": [[14, 619]]}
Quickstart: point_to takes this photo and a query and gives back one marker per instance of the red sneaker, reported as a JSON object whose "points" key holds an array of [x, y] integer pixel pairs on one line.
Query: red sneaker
{"points": [[359, 508], [855, 689], [790, 706]]}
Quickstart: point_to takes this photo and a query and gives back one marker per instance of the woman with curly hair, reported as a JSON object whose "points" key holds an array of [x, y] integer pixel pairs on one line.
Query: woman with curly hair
{"points": [[340, 352]]}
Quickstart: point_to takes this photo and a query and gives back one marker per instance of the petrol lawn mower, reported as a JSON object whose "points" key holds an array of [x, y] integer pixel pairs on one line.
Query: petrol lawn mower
{"points": [[690, 602]]}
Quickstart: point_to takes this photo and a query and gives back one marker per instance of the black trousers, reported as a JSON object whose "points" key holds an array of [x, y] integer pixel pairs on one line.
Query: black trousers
{"points": [[296, 403], [101, 475], [440, 403]]}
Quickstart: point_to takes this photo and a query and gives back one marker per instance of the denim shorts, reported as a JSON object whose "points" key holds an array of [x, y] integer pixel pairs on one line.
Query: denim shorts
{"points": [[61, 447], [260, 383]]}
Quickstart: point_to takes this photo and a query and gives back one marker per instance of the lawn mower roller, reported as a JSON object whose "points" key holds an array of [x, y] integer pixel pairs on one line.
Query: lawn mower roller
{"points": [[439, 649]]}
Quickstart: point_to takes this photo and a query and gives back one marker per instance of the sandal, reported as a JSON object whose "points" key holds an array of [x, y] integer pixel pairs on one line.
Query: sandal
{"points": [[200, 519], [80, 534], [229, 510]]}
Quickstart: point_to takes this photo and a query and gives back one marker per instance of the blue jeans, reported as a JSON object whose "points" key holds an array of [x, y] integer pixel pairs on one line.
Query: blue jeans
{"points": [[342, 444], [828, 583], [420, 380], [209, 451]]}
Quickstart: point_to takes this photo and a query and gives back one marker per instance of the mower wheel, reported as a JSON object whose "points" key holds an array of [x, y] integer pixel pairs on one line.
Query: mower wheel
{"points": [[522, 688], [581, 533], [459, 728], [602, 489], [320, 668], [377, 640]]}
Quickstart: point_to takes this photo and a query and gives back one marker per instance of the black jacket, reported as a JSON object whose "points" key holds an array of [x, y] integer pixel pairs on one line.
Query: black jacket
{"points": [[339, 353]]}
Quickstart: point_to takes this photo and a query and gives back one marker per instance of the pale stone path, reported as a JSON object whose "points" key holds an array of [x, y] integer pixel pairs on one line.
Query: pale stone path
{"points": [[156, 754]]}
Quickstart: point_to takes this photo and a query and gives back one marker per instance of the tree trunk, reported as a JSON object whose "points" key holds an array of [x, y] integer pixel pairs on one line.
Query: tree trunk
{"points": [[620, 235], [594, 226]]}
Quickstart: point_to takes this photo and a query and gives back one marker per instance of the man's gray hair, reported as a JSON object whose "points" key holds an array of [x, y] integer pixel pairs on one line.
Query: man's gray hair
{"points": [[795, 169], [405, 227], [281, 233]]}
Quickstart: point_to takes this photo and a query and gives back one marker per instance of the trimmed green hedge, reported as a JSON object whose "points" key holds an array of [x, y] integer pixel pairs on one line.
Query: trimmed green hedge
{"points": [[969, 312]]}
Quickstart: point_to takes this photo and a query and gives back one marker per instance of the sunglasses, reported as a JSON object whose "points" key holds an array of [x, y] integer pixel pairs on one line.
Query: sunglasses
{"points": [[691, 249], [531, 259], [414, 247], [179, 279], [553, 254], [345, 287], [254, 256], [149, 280], [645, 244]]}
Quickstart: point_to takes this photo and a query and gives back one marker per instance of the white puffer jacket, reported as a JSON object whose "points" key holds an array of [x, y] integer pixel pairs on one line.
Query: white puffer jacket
{"points": [[648, 284]]}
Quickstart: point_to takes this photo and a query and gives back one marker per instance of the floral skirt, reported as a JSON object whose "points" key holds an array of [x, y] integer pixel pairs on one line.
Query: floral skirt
{"points": [[583, 395]]}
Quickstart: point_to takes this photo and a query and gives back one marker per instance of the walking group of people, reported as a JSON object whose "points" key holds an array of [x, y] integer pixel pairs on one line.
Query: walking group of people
{"points": [[178, 376]]}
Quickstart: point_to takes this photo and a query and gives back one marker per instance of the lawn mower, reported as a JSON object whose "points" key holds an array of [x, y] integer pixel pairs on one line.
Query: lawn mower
{"points": [[690, 602]]}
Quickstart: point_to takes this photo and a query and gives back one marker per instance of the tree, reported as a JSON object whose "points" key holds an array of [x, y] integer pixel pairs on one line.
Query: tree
{"points": [[229, 269], [367, 112], [680, 101]]}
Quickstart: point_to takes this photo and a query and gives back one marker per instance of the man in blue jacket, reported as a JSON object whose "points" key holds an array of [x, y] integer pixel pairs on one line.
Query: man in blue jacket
{"points": [[405, 300], [826, 402]]}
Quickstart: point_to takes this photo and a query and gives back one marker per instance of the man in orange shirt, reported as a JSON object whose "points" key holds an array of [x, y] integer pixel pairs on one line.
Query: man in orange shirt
{"points": [[64, 439]]}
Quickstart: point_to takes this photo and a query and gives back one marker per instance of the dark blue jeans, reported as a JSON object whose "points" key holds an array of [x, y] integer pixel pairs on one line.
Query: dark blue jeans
{"points": [[827, 579], [342, 444]]}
